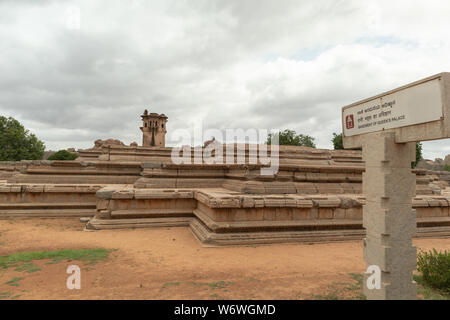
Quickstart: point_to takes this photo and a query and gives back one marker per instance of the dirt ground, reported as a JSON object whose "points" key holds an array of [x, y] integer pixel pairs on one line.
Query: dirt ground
{"points": [[169, 263]]}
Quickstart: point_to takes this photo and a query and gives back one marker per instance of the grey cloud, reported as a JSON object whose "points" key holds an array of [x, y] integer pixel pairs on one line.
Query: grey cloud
{"points": [[233, 64]]}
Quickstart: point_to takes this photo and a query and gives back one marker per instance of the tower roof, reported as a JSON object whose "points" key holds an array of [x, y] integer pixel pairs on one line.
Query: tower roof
{"points": [[154, 115]]}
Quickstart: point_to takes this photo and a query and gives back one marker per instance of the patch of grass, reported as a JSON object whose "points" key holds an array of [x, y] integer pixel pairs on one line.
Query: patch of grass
{"points": [[329, 296], [342, 291], [195, 284], [28, 267], [358, 286], [90, 256], [254, 279], [428, 292], [358, 277], [14, 281], [218, 285], [165, 285], [5, 295]]}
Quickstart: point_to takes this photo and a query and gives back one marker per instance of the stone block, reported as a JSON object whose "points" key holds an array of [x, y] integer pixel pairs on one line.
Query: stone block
{"points": [[105, 193], [280, 188], [161, 183], [300, 214], [123, 194], [15, 189], [304, 203], [391, 183], [306, 188], [247, 202], [283, 214], [336, 177], [55, 188], [329, 188], [152, 165], [291, 202], [347, 188], [300, 176], [354, 177], [160, 173], [4, 188], [202, 197], [274, 202], [104, 214], [419, 202], [313, 214], [225, 202], [283, 175], [35, 188], [397, 222], [353, 213], [395, 257], [102, 204], [270, 214], [259, 202], [434, 202], [339, 213], [327, 202], [386, 150], [325, 213], [316, 176], [347, 202]]}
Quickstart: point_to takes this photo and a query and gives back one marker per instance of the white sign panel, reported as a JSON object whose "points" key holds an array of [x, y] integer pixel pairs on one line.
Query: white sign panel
{"points": [[412, 105]]}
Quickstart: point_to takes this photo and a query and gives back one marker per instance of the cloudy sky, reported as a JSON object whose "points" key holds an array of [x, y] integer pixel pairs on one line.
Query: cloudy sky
{"points": [[72, 79]]}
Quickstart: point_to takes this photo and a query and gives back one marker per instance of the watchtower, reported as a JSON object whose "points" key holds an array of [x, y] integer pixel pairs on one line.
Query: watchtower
{"points": [[153, 129]]}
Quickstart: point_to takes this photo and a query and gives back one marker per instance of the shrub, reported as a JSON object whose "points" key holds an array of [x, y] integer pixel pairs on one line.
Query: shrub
{"points": [[435, 268], [63, 155], [291, 138]]}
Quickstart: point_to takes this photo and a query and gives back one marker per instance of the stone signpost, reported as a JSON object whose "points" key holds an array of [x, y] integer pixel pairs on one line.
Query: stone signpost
{"points": [[387, 127]]}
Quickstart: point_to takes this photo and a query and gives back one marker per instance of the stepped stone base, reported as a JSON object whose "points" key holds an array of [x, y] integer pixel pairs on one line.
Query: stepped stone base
{"points": [[306, 234], [100, 224], [210, 238], [220, 217], [47, 201]]}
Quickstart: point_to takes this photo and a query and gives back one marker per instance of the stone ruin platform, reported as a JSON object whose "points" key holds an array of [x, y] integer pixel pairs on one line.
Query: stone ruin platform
{"points": [[315, 196], [218, 216]]}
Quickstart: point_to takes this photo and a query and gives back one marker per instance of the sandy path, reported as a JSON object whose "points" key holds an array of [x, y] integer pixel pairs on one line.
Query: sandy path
{"points": [[170, 263]]}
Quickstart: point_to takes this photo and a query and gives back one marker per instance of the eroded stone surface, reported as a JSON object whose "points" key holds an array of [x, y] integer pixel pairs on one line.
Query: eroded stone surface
{"points": [[388, 218]]}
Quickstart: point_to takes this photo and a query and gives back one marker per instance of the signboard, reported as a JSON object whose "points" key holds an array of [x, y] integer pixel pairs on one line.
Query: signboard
{"points": [[416, 112]]}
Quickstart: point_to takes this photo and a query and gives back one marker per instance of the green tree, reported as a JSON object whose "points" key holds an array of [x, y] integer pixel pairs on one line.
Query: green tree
{"points": [[338, 144], [418, 154], [63, 155], [337, 141], [17, 143], [291, 138]]}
